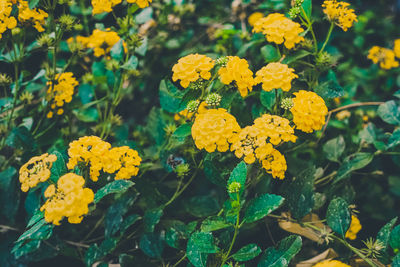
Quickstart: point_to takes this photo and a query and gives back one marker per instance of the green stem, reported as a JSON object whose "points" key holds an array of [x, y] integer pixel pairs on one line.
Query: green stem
{"points": [[328, 36], [310, 28]]}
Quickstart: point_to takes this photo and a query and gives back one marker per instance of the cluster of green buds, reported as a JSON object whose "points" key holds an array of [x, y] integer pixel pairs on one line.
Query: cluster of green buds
{"points": [[67, 22], [373, 248], [213, 100], [5, 80], [222, 61], [287, 103], [324, 61], [170, 128], [45, 40], [133, 41], [182, 170], [112, 65], [192, 106], [26, 97], [296, 8], [234, 187], [198, 85]]}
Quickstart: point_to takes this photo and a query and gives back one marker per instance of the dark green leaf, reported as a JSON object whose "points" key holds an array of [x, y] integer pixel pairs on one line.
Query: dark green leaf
{"points": [[170, 97], [338, 216], [9, 193], [21, 138], [353, 162], [247, 252], [131, 64], [390, 112], [213, 174], [213, 224], [40, 231], [394, 139], [307, 7], [201, 206], [183, 130], [35, 218], [270, 53], [117, 186], [86, 115], [151, 219], [238, 175], [128, 221], [95, 253], [281, 256], [299, 193], [396, 261], [394, 240], [26, 248], [152, 245], [59, 167], [268, 98], [329, 87], [334, 148], [117, 51], [204, 242], [261, 206], [115, 213], [295, 56], [383, 235], [33, 3]]}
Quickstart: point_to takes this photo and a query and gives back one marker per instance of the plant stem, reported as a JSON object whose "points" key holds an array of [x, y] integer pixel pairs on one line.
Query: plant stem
{"points": [[327, 37], [310, 28], [180, 260]]}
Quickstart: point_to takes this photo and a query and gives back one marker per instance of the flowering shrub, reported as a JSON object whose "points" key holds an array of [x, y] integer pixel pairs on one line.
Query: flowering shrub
{"points": [[191, 133]]}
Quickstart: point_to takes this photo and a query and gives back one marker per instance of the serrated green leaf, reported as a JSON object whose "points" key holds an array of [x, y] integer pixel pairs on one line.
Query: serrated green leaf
{"points": [[281, 256], [238, 175], [151, 219], [183, 130], [261, 206], [368, 134], [152, 245], [117, 186], [21, 138], [247, 252], [270, 53], [117, 51], [26, 248], [213, 224], [201, 206], [353, 162], [394, 240], [390, 112], [394, 139], [338, 216], [114, 215], [59, 167], [204, 242], [329, 87], [383, 235], [334, 148], [212, 173], [299, 193], [170, 97]]}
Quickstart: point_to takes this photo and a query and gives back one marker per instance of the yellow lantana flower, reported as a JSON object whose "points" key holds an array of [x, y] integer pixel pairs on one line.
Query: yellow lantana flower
{"points": [[274, 76], [36, 15], [275, 164], [396, 48], [6, 20], [61, 91], [123, 160], [339, 13], [331, 263], [384, 56], [253, 18], [191, 68], [355, 227], [279, 29]]}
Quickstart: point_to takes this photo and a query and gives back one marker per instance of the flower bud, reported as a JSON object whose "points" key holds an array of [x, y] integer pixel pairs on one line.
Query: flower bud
{"points": [[287, 103], [213, 99], [234, 187], [193, 105]]}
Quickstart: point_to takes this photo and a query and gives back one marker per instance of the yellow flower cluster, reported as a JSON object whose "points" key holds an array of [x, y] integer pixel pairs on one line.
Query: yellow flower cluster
{"points": [[36, 16], [191, 67], [100, 6], [279, 29], [384, 56], [274, 76], [100, 41], [98, 155], [70, 199], [61, 91], [309, 111], [256, 142], [396, 48], [331, 263], [36, 170], [6, 20], [185, 114], [340, 13], [237, 70], [214, 129], [253, 18], [355, 227]]}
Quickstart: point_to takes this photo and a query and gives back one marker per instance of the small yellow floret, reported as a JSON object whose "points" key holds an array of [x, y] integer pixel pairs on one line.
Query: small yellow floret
{"points": [[274, 76], [309, 111], [6, 20], [275, 164], [396, 48], [339, 13], [124, 160], [331, 263], [36, 16], [279, 29], [355, 227], [61, 92], [192, 67], [253, 18], [385, 57], [140, 3]]}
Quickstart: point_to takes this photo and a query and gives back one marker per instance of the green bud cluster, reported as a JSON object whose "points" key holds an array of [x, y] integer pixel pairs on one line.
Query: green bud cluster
{"points": [[213, 99], [234, 187], [296, 8], [222, 61], [287, 103], [182, 170], [5, 80], [193, 105], [67, 22]]}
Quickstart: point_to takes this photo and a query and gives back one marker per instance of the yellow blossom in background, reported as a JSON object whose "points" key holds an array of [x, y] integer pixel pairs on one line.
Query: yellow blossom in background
{"points": [[309, 111], [274, 76], [237, 71], [340, 13], [331, 263], [279, 29], [36, 16], [91, 151], [276, 128], [192, 67], [6, 20], [275, 164], [140, 3], [384, 56], [355, 227], [61, 91], [253, 18], [214, 129], [70, 199], [396, 48], [124, 160], [35, 171], [100, 6]]}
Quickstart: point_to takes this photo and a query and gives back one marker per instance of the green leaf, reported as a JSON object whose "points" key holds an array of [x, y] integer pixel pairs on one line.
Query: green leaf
{"points": [[307, 6], [368, 134], [199, 245], [33, 3], [213, 174], [295, 56], [329, 87], [390, 112], [394, 139], [213, 224], [247, 252], [114, 215], [131, 64], [151, 219], [35, 218], [152, 245], [396, 261], [117, 51], [26, 248], [21, 138], [128, 221], [183, 130], [268, 99], [95, 252], [117, 186], [353, 162], [201, 206], [394, 240], [40, 231], [383, 235], [59, 167], [281, 256], [338, 216], [194, 255], [238, 175], [170, 97], [9, 193], [86, 93], [86, 115], [299, 193], [261, 206], [270, 53], [334, 148]]}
